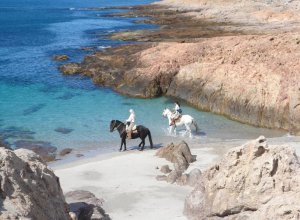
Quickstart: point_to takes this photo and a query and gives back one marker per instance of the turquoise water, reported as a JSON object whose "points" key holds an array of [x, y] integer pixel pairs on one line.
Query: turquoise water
{"points": [[36, 100]]}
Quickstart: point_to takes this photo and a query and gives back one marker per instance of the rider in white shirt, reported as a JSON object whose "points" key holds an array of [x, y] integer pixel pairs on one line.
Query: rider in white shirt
{"points": [[177, 112], [130, 123]]}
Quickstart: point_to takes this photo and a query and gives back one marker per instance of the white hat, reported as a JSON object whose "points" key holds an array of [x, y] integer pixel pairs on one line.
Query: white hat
{"points": [[131, 111]]}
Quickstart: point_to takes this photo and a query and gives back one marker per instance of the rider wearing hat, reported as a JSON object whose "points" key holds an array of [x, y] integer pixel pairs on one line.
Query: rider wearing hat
{"points": [[130, 123]]}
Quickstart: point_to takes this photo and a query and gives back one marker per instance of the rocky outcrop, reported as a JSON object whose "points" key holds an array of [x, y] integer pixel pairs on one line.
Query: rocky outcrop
{"points": [[252, 79], [180, 155], [86, 206], [254, 181], [28, 188], [233, 58]]}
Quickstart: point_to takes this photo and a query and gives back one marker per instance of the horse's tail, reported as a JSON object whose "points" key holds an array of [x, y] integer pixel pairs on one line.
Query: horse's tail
{"points": [[150, 139], [196, 125]]}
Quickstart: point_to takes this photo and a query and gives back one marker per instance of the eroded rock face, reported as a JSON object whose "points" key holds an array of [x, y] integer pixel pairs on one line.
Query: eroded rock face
{"points": [[254, 181], [86, 205], [28, 188]]}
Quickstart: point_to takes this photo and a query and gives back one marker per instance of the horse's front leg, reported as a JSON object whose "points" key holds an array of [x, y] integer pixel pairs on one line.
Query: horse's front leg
{"points": [[121, 144]]}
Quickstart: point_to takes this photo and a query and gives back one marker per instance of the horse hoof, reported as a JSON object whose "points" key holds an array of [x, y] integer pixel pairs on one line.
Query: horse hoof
{"points": [[124, 150]]}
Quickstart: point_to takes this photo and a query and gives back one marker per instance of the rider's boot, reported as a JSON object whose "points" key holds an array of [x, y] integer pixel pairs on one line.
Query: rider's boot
{"points": [[129, 134]]}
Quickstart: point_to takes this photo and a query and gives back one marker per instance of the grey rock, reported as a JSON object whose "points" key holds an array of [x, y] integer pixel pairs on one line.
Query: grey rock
{"points": [[165, 169], [254, 181], [28, 188], [86, 205]]}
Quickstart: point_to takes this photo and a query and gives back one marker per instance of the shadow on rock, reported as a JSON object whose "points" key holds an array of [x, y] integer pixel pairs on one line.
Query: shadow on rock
{"points": [[84, 205]]}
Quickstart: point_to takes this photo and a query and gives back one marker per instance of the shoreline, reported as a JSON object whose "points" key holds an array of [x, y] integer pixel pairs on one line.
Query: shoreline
{"points": [[135, 193], [162, 65]]}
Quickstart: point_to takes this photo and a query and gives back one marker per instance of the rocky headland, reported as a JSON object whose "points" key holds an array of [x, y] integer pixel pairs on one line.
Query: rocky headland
{"points": [[235, 58]]}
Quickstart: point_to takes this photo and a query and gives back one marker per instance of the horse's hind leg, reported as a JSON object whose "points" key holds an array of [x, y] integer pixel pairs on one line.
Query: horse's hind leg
{"points": [[124, 145], [143, 144]]}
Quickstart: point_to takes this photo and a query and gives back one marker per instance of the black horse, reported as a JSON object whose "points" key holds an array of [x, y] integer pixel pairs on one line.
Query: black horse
{"points": [[142, 132]]}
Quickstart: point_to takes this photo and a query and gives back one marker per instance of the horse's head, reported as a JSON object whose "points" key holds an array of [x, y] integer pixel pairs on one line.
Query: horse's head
{"points": [[165, 112], [112, 126]]}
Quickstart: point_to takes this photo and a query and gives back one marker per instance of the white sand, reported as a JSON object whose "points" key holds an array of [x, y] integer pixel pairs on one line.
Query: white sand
{"points": [[126, 181]]}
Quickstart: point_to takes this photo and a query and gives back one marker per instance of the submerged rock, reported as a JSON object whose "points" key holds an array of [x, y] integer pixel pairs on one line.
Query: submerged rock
{"points": [[60, 58], [65, 151], [254, 181], [29, 189], [44, 149], [70, 68], [85, 205], [64, 130]]}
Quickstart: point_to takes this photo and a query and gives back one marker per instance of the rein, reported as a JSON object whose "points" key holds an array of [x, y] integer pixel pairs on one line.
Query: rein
{"points": [[117, 126]]}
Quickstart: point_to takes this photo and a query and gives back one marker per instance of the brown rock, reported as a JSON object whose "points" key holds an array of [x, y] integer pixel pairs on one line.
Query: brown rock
{"points": [[60, 58], [180, 155], [254, 181], [29, 189], [70, 68]]}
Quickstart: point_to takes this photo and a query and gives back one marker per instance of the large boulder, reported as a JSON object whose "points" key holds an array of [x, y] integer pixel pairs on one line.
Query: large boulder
{"points": [[181, 157], [28, 188], [254, 181]]}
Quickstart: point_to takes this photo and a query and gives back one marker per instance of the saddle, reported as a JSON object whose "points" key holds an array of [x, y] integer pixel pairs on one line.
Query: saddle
{"points": [[174, 120], [130, 133]]}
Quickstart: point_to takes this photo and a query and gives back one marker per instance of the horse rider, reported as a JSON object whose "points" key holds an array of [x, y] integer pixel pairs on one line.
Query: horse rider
{"points": [[177, 112], [130, 123]]}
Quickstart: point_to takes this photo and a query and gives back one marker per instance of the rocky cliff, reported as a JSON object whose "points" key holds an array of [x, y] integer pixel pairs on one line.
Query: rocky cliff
{"points": [[28, 189], [254, 181], [241, 65]]}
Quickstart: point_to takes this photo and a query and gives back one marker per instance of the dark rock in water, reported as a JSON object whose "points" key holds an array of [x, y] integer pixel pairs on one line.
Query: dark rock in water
{"points": [[79, 155], [44, 149], [88, 48], [16, 133], [67, 96], [60, 58], [70, 68], [127, 103], [29, 189], [64, 130], [65, 151], [33, 109], [4, 145], [86, 205]]}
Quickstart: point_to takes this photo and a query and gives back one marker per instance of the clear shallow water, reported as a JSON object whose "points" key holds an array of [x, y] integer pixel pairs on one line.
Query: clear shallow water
{"points": [[35, 99]]}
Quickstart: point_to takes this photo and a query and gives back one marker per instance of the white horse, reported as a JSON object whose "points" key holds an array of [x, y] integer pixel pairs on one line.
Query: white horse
{"points": [[185, 120]]}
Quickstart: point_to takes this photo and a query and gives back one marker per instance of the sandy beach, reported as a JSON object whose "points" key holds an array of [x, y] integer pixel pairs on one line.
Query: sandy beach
{"points": [[126, 181]]}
